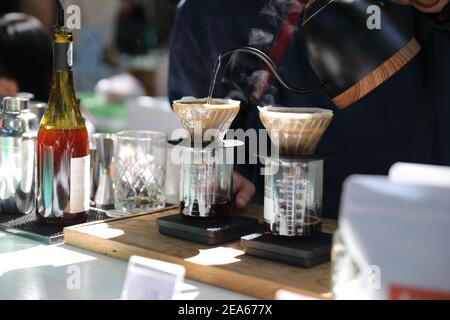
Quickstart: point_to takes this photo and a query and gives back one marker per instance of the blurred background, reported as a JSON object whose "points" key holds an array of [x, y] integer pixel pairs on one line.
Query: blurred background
{"points": [[120, 57]]}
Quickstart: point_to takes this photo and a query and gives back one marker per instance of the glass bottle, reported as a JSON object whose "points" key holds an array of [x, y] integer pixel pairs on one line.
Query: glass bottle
{"points": [[62, 146]]}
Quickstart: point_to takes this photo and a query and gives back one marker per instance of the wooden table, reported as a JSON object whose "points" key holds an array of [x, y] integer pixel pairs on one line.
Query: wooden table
{"points": [[225, 266]]}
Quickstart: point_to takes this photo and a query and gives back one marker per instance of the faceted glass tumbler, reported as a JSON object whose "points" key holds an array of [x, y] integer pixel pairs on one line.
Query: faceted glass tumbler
{"points": [[139, 171]]}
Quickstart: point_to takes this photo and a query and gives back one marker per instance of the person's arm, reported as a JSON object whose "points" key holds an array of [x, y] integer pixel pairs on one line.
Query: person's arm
{"points": [[434, 9], [189, 74], [425, 6]]}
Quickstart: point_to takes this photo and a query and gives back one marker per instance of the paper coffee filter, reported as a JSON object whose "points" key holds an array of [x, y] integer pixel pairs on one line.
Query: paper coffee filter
{"points": [[295, 131], [218, 116]]}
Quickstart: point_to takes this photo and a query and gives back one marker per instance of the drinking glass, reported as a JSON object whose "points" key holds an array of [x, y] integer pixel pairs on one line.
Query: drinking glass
{"points": [[139, 171]]}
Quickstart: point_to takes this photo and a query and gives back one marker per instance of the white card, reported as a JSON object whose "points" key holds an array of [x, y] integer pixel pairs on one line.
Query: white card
{"points": [[79, 184], [149, 279], [282, 294], [420, 174]]}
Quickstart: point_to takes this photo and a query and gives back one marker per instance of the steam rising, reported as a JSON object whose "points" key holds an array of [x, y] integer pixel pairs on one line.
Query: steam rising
{"points": [[274, 11], [259, 37], [247, 82]]}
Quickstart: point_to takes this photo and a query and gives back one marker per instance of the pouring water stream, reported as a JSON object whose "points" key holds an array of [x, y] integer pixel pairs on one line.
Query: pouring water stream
{"points": [[267, 61]]}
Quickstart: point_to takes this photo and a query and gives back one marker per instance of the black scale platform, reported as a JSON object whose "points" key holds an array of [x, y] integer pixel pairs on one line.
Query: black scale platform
{"points": [[206, 232], [299, 252], [304, 253], [27, 226]]}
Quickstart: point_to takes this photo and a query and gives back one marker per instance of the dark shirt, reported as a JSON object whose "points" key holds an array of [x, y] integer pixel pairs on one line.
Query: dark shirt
{"points": [[405, 119], [7, 6], [135, 35]]}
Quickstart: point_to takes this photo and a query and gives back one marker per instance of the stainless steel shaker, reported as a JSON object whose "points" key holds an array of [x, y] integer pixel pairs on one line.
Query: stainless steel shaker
{"points": [[32, 120], [93, 172], [38, 109], [104, 194], [17, 159]]}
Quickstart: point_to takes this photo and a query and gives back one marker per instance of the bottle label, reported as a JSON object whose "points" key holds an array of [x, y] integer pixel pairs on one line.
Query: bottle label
{"points": [[79, 184], [62, 55]]}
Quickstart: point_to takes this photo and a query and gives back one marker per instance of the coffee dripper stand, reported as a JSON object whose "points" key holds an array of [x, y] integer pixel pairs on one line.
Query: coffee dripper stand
{"points": [[292, 234], [206, 196], [205, 184], [293, 196]]}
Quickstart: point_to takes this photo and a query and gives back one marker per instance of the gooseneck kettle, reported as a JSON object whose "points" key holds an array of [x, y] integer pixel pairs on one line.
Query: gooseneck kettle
{"points": [[349, 57]]}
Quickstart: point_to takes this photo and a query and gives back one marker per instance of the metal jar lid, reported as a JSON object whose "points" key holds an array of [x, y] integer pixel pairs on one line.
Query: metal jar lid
{"points": [[14, 104], [25, 95]]}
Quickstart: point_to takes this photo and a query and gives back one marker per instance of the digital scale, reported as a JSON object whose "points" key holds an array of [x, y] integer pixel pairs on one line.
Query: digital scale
{"points": [[206, 176], [292, 214], [293, 185]]}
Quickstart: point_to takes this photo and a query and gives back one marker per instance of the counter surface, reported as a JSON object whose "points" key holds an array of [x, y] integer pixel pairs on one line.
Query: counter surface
{"points": [[225, 265], [31, 270]]}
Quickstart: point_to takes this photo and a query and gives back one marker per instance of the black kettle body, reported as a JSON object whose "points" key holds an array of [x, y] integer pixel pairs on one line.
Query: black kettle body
{"points": [[349, 53]]}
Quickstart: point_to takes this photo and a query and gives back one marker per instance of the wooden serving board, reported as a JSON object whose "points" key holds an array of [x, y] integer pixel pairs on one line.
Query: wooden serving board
{"points": [[225, 266]]}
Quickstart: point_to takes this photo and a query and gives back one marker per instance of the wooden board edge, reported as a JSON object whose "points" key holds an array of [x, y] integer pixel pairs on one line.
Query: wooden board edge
{"points": [[256, 287], [78, 226]]}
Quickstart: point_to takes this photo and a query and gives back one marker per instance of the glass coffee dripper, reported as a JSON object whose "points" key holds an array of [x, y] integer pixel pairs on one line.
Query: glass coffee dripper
{"points": [[206, 160]]}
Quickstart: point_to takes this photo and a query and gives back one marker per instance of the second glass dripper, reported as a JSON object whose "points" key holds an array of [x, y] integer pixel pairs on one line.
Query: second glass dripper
{"points": [[293, 182], [295, 131]]}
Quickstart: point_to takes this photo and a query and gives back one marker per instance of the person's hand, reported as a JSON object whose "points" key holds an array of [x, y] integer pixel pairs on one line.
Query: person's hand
{"points": [[8, 87], [243, 190], [426, 6]]}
